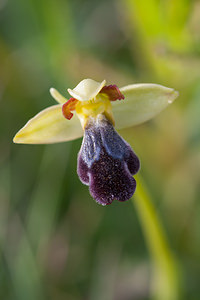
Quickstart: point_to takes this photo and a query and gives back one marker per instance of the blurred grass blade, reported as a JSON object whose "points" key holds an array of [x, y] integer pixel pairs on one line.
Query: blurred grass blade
{"points": [[45, 199], [22, 265], [165, 281]]}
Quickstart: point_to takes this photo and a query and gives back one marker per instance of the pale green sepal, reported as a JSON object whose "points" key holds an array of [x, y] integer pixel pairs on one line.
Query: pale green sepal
{"points": [[87, 89], [57, 96], [142, 102], [49, 126]]}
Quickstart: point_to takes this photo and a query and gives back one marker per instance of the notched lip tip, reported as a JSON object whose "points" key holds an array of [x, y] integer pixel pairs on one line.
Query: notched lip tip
{"points": [[100, 203]]}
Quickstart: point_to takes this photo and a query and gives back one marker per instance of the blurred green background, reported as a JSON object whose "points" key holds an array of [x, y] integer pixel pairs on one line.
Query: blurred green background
{"points": [[55, 241]]}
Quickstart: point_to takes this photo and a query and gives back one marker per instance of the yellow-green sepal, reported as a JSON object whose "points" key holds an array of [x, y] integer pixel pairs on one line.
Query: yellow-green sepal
{"points": [[49, 126], [142, 102]]}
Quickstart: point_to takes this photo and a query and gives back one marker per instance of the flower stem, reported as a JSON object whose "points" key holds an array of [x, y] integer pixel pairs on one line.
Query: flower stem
{"points": [[165, 282]]}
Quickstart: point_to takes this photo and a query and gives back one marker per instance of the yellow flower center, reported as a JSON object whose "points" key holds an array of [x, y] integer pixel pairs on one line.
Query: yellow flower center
{"points": [[92, 108]]}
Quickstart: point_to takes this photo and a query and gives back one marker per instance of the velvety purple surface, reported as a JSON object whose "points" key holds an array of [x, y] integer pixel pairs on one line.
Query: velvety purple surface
{"points": [[106, 163]]}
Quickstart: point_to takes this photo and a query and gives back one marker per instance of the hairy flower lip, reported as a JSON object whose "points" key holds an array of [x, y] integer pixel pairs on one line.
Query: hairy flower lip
{"points": [[106, 163]]}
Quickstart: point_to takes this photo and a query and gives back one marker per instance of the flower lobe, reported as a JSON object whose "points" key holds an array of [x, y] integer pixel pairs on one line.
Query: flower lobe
{"points": [[106, 163]]}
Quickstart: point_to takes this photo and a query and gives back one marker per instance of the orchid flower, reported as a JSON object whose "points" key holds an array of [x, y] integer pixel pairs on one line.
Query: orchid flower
{"points": [[106, 162]]}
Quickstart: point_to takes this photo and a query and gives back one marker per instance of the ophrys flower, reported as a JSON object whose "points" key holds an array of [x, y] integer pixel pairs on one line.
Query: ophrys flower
{"points": [[105, 162]]}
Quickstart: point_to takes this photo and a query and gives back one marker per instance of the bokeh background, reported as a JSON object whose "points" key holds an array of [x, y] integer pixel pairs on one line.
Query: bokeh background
{"points": [[55, 242]]}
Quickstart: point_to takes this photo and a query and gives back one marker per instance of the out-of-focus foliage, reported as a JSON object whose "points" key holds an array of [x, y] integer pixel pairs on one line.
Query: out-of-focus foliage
{"points": [[55, 241]]}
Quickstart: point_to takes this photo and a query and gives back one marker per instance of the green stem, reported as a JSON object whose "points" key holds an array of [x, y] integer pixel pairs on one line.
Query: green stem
{"points": [[165, 283]]}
